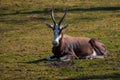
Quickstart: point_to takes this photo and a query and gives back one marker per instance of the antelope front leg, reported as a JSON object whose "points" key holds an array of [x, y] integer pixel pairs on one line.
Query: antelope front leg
{"points": [[69, 56]]}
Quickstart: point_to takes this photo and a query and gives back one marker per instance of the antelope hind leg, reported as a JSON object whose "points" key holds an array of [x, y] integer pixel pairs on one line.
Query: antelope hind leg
{"points": [[95, 57]]}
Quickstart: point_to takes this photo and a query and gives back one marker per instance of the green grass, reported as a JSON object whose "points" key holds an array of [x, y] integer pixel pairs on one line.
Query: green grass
{"points": [[25, 40]]}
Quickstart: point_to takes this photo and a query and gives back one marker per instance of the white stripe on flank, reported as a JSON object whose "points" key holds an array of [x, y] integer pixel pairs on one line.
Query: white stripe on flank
{"points": [[94, 53]]}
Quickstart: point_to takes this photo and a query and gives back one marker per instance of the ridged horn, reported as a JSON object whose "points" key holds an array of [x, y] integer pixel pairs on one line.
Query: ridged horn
{"points": [[63, 17], [52, 16]]}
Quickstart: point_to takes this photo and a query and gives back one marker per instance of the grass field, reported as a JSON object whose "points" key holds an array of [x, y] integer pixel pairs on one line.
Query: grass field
{"points": [[25, 41]]}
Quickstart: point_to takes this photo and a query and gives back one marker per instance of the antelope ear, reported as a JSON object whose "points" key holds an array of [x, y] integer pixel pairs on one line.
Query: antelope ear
{"points": [[50, 26], [65, 26]]}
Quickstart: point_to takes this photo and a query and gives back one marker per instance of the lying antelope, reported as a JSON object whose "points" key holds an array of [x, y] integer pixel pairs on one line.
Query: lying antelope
{"points": [[66, 47]]}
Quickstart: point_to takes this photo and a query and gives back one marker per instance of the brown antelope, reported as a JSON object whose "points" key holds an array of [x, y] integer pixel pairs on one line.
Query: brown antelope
{"points": [[66, 47]]}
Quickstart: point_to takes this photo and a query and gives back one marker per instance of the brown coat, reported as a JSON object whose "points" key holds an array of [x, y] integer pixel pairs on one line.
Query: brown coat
{"points": [[79, 47]]}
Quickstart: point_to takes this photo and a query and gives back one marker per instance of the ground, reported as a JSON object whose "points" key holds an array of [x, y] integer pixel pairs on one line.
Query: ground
{"points": [[25, 40]]}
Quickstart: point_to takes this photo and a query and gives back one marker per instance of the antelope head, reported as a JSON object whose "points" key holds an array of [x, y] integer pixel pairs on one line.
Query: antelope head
{"points": [[57, 28]]}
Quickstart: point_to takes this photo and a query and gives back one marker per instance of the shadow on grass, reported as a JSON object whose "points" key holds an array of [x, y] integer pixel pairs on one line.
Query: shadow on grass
{"points": [[57, 64], [12, 21], [15, 21], [27, 12], [46, 11], [37, 61], [99, 77], [96, 9]]}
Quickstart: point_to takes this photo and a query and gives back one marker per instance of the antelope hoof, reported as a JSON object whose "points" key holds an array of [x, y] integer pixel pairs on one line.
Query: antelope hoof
{"points": [[52, 59]]}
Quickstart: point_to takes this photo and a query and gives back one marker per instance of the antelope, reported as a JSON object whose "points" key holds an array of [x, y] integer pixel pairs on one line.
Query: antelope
{"points": [[66, 48]]}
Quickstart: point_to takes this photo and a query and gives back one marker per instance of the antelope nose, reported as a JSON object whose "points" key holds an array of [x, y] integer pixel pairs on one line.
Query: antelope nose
{"points": [[55, 43]]}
